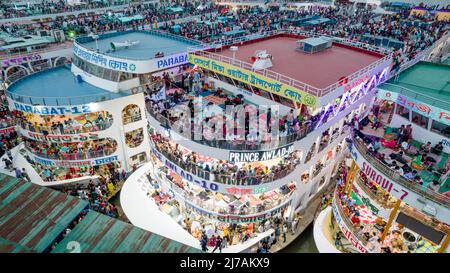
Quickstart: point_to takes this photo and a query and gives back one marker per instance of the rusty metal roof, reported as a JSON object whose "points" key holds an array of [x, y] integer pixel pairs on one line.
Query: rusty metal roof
{"points": [[31, 216], [98, 233]]}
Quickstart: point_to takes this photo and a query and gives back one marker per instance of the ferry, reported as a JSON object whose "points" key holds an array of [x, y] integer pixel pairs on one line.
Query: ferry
{"points": [[238, 142]]}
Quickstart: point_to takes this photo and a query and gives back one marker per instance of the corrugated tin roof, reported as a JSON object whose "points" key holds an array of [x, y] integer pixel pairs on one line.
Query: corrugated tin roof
{"points": [[31, 217], [98, 233]]}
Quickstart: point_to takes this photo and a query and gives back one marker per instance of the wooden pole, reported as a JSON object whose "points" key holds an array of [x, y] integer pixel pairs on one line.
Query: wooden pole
{"points": [[444, 245], [350, 186], [350, 172], [391, 219]]}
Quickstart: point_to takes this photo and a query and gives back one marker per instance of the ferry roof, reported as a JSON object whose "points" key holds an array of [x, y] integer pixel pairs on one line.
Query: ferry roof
{"points": [[149, 44], [58, 86], [32, 217], [98, 233], [427, 82], [320, 69], [27, 40]]}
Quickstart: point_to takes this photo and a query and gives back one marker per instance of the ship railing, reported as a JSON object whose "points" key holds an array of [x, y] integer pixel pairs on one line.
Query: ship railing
{"points": [[8, 55], [71, 156], [394, 176], [229, 179], [238, 144], [418, 96], [64, 101], [386, 61]]}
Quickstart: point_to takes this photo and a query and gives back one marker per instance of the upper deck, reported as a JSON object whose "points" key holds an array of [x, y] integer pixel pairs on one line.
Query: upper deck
{"points": [[57, 86], [320, 69], [134, 51], [426, 82], [150, 43]]}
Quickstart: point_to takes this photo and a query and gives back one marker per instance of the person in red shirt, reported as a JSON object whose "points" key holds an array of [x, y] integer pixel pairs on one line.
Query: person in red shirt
{"points": [[355, 219]]}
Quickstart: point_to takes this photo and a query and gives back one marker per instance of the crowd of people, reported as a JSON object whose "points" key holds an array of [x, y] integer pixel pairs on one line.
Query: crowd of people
{"points": [[98, 192], [224, 171], [71, 150], [292, 126], [217, 235], [7, 10], [396, 151], [108, 20], [56, 125], [372, 233]]}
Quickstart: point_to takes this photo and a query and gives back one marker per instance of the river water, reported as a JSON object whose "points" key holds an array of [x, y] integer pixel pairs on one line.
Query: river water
{"points": [[303, 244]]}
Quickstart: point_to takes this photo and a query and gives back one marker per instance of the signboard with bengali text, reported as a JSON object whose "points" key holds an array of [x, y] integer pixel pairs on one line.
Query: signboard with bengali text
{"points": [[420, 107], [254, 79]]}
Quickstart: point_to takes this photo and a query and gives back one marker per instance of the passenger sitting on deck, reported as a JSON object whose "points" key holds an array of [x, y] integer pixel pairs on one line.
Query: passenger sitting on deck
{"points": [[237, 100], [437, 149], [398, 157], [426, 147], [417, 163], [434, 185], [159, 54], [388, 141]]}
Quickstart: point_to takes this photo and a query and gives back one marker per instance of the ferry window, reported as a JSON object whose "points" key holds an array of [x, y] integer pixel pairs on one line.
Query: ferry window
{"points": [[287, 102], [440, 128], [420, 120], [114, 75], [403, 111]]}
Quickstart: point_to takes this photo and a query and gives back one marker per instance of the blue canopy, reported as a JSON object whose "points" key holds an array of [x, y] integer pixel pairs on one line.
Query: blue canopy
{"points": [[175, 9], [234, 32]]}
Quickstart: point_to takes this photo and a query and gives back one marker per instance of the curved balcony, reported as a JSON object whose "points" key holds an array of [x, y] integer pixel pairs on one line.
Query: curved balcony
{"points": [[347, 223], [394, 176], [239, 144], [72, 156], [211, 207], [64, 76], [227, 178], [78, 128], [54, 152]]}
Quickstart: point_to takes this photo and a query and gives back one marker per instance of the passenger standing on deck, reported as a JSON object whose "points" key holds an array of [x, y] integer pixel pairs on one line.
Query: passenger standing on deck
{"points": [[218, 244]]}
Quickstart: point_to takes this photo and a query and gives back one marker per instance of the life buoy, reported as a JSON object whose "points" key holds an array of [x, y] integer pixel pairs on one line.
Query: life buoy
{"points": [[343, 80]]}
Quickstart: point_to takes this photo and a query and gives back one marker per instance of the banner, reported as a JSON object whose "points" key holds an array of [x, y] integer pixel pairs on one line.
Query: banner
{"points": [[254, 79], [408, 194], [238, 156], [161, 95], [131, 66], [347, 232], [51, 110], [76, 163], [228, 218], [420, 107]]}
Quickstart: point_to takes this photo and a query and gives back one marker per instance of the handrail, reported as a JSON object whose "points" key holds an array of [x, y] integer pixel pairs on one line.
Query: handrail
{"points": [[404, 90], [346, 220], [61, 101], [359, 180], [74, 130], [72, 156], [131, 119], [148, 31], [303, 86], [241, 144], [249, 211], [408, 210], [52, 47], [433, 196], [319, 92], [225, 178]]}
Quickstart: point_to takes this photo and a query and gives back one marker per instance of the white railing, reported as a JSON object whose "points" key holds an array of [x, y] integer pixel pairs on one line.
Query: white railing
{"points": [[52, 47], [304, 86], [318, 92]]}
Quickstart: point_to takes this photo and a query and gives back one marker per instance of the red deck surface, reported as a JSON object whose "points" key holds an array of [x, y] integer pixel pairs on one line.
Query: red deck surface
{"points": [[319, 69]]}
